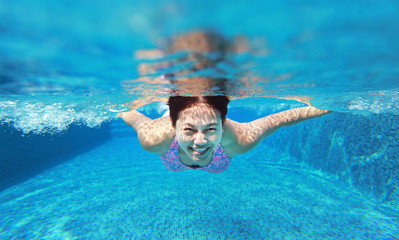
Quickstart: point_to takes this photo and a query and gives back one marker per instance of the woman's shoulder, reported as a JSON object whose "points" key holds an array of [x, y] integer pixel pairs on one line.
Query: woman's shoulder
{"points": [[157, 135], [230, 139], [238, 138]]}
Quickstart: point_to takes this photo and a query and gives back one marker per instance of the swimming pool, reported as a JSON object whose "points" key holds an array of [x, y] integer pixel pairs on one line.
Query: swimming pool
{"points": [[69, 169]]}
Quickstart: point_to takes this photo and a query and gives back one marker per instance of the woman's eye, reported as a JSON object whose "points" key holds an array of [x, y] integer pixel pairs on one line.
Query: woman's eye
{"points": [[189, 130], [212, 129]]}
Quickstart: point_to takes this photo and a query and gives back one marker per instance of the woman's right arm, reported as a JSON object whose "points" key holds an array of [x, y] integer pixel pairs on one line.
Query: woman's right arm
{"points": [[155, 135]]}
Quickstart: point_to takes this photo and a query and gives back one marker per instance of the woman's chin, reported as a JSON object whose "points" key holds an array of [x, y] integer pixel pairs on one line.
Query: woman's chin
{"points": [[196, 158]]}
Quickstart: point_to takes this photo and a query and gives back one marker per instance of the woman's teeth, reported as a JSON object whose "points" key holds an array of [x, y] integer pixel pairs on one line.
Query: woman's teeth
{"points": [[199, 151]]}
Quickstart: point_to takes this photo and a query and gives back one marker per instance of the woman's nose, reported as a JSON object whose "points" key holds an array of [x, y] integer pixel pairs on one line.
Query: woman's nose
{"points": [[200, 139]]}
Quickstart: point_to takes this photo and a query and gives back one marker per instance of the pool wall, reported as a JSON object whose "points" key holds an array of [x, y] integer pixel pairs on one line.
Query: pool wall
{"points": [[23, 156], [362, 150]]}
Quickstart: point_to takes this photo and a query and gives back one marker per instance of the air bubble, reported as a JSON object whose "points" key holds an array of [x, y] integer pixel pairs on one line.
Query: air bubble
{"points": [[39, 118]]}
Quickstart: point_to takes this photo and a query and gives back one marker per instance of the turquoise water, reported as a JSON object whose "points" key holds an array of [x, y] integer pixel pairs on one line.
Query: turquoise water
{"points": [[69, 169], [107, 194]]}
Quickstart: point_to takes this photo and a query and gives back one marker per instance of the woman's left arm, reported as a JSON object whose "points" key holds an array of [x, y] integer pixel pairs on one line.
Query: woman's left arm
{"points": [[243, 137]]}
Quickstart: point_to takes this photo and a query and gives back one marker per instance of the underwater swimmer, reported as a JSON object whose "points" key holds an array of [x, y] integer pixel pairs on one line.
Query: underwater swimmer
{"points": [[197, 133]]}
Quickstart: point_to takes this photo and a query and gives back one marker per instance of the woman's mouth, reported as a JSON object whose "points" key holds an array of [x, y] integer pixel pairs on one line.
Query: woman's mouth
{"points": [[199, 151]]}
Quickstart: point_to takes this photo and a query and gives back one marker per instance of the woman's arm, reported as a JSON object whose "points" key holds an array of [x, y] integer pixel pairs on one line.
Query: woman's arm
{"points": [[243, 137], [155, 135]]}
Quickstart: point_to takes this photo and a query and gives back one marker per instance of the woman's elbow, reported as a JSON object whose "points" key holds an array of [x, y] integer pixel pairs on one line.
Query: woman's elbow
{"points": [[147, 145]]}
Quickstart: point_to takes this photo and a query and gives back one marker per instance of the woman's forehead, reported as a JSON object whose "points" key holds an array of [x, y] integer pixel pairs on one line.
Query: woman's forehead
{"points": [[201, 113]]}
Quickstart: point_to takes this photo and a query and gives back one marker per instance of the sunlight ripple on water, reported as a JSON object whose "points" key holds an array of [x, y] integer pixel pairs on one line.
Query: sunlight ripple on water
{"points": [[55, 72]]}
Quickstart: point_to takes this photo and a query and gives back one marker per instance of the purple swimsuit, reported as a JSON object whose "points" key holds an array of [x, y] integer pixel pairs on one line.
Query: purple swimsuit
{"points": [[219, 163]]}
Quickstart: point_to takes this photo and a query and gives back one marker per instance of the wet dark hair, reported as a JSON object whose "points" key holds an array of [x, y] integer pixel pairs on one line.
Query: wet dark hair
{"points": [[179, 103]]}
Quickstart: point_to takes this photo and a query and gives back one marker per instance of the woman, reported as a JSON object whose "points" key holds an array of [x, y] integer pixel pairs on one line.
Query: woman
{"points": [[197, 133]]}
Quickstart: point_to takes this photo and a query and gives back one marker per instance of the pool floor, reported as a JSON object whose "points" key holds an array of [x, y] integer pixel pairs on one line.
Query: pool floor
{"points": [[119, 191]]}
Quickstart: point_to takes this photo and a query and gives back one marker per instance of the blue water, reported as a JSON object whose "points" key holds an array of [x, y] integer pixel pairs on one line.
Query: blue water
{"points": [[69, 169], [107, 194]]}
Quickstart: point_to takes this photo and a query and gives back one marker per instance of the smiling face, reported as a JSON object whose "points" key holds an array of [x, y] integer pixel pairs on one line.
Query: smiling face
{"points": [[199, 131]]}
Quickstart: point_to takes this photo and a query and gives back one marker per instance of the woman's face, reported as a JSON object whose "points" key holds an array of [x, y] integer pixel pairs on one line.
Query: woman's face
{"points": [[199, 131]]}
